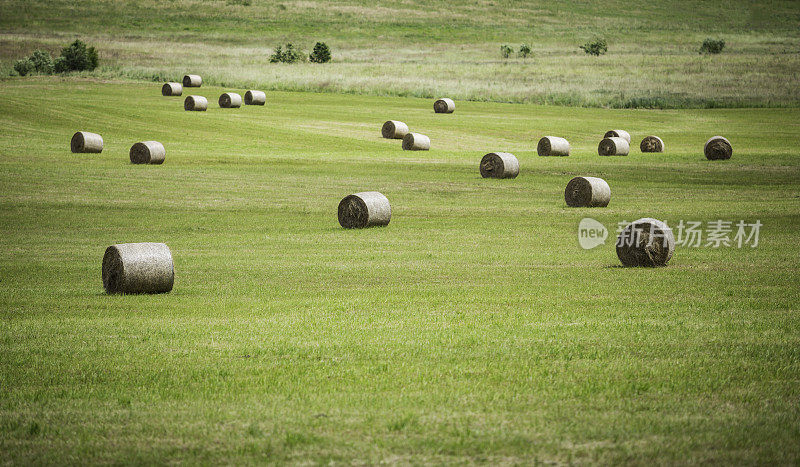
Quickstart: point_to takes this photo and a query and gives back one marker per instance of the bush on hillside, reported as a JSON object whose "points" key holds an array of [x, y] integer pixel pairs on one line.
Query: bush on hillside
{"points": [[524, 50], [286, 54], [506, 51], [712, 46], [320, 54], [596, 47]]}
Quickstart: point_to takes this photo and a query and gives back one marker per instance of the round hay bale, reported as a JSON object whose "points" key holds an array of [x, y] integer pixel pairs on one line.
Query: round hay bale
{"points": [[499, 165], [587, 192], [230, 100], [645, 243], [366, 209], [253, 97], [652, 144], [416, 142], [444, 106], [138, 268], [196, 103], [553, 146], [394, 129], [148, 152], [718, 148], [83, 141], [192, 81], [172, 89], [614, 146], [618, 134]]}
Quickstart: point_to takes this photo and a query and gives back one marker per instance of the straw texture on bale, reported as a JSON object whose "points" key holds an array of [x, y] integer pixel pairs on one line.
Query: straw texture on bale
{"points": [[394, 129], [613, 146], [645, 243], [148, 152], [444, 106], [230, 100], [253, 97], [652, 144], [499, 165], [83, 141], [135, 268], [618, 134], [587, 192], [172, 89], [366, 209], [416, 142], [196, 103], [553, 146], [192, 81], [718, 148]]}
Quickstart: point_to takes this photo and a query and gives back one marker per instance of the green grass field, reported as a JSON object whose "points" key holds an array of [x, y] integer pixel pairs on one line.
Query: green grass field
{"points": [[472, 329]]}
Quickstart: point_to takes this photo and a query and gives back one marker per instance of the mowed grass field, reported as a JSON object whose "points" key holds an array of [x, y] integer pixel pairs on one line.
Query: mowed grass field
{"points": [[472, 329]]}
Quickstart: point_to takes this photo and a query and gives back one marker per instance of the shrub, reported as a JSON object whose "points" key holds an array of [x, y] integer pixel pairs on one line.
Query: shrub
{"points": [[320, 54], [524, 50], [78, 57], [60, 65], [712, 46], [596, 47], [506, 51], [42, 62], [286, 54], [24, 66]]}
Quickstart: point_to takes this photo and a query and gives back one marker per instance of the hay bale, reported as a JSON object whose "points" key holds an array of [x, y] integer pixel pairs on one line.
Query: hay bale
{"points": [[83, 141], [416, 142], [252, 97], [366, 209], [172, 89], [192, 81], [444, 106], [394, 129], [614, 146], [652, 144], [230, 100], [148, 152], [618, 134], [718, 148], [587, 192], [196, 103], [645, 243], [138, 268], [499, 165], [553, 146]]}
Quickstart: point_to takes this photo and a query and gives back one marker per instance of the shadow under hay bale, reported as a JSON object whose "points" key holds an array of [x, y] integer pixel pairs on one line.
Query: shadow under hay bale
{"points": [[365, 209], [148, 152], [253, 97], [230, 100], [444, 106], [171, 89], [85, 142], [195, 103], [718, 148], [587, 192], [192, 81], [136, 268], [614, 146], [394, 129], [652, 144], [646, 242], [416, 142], [618, 134], [553, 146], [499, 165]]}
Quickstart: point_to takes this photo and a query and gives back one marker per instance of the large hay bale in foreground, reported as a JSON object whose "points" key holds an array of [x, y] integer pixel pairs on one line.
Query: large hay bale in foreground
{"points": [[366, 209], [148, 152], [83, 141], [613, 146], [444, 106], [416, 142], [195, 103], [618, 134], [646, 242], [553, 146], [587, 192], [138, 268], [499, 165], [253, 97], [718, 148], [192, 81], [652, 144], [172, 89], [230, 100], [394, 129]]}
